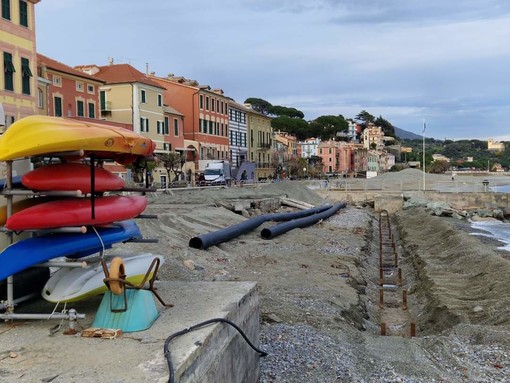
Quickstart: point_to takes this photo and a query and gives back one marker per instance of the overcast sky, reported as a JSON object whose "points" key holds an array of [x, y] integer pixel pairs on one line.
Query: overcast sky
{"points": [[445, 62]]}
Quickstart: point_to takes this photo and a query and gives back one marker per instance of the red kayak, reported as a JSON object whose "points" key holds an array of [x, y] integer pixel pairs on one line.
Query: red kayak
{"points": [[71, 176], [77, 212]]}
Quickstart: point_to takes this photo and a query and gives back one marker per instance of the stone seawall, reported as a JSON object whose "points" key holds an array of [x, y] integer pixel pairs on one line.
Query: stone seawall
{"points": [[393, 201]]}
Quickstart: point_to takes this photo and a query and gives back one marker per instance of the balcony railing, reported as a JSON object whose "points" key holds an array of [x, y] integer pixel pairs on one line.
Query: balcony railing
{"points": [[106, 106]]}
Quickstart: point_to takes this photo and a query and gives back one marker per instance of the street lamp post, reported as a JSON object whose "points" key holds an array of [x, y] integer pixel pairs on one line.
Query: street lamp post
{"points": [[423, 135]]}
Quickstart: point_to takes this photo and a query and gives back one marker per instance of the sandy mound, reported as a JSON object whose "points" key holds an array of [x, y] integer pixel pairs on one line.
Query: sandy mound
{"points": [[289, 189], [458, 278]]}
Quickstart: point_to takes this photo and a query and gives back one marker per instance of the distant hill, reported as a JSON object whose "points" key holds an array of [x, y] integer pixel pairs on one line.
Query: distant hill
{"points": [[405, 135]]}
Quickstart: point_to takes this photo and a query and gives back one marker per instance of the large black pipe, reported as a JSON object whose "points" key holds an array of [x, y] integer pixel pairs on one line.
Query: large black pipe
{"points": [[216, 237], [281, 228]]}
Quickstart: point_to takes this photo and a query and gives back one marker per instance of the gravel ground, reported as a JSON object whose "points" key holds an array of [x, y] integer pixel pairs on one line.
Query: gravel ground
{"points": [[318, 289], [319, 292]]}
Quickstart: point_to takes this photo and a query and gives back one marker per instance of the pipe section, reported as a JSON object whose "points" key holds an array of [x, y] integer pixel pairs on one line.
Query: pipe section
{"points": [[214, 238], [281, 228]]}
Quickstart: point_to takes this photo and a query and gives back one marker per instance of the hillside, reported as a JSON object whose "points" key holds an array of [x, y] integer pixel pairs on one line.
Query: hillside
{"points": [[405, 135]]}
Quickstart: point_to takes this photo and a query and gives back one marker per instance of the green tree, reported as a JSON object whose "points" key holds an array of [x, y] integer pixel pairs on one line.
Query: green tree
{"points": [[365, 118], [260, 105], [295, 126], [141, 170], [328, 126], [278, 110], [172, 162], [386, 126], [314, 166], [438, 167]]}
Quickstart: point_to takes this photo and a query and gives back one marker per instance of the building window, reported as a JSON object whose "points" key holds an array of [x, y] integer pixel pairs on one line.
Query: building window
{"points": [[165, 127], [160, 100], [143, 96], [57, 81], [102, 99], [58, 106], [160, 127], [23, 13], [176, 127], [6, 9], [8, 71], [218, 106], [144, 124], [40, 99], [92, 110], [90, 89], [167, 146], [79, 86], [80, 108], [207, 103], [212, 104], [26, 73], [201, 101]]}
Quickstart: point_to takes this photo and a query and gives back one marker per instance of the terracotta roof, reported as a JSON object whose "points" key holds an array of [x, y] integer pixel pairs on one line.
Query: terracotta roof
{"points": [[239, 106], [169, 109], [60, 67], [124, 73]]}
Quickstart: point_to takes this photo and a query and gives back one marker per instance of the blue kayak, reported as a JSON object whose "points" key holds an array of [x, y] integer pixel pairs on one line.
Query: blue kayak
{"points": [[32, 251], [16, 182]]}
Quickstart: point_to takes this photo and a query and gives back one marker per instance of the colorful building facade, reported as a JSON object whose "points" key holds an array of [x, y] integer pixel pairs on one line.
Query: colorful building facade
{"points": [[18, 80], [66, 92]]}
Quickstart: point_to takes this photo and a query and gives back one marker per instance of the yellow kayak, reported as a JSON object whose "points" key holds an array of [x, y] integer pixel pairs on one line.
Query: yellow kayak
{"points": [[44, 135]]}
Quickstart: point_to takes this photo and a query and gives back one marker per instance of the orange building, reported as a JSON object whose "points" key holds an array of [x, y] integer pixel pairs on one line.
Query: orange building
{"points": [[70, 93], [205, 114], [337, 157]]}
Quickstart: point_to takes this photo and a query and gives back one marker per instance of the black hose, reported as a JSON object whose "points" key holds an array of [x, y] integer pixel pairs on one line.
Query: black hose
{"points": [[214, 238], [281, 228], [196, 327]]}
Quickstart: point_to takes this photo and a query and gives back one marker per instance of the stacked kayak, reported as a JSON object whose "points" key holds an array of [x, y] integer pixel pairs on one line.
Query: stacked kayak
{"points": [[71, 226]]}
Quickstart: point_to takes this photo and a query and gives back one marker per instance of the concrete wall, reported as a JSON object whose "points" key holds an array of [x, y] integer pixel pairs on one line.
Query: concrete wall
{"points": [[393, 200], [225, 356]]}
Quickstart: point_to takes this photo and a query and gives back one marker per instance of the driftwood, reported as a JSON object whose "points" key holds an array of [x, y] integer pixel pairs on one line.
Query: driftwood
{"points": [[295, 203]]}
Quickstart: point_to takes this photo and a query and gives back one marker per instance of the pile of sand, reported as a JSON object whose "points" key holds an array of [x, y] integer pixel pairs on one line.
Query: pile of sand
{"points": [[208, 196], [458, 278]]}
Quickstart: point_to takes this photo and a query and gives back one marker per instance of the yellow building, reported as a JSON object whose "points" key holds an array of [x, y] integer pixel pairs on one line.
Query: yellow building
{"points": [[373, 137], [129, 96], [18, 87], [495, 146], [260, 143]]}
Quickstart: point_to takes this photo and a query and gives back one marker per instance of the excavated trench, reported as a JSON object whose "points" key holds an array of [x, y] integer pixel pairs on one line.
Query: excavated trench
{"points": [[423, 276]]}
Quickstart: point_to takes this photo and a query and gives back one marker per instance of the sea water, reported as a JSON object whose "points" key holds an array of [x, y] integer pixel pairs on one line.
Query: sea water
{"points": [[500, 189], [494, 229]]}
